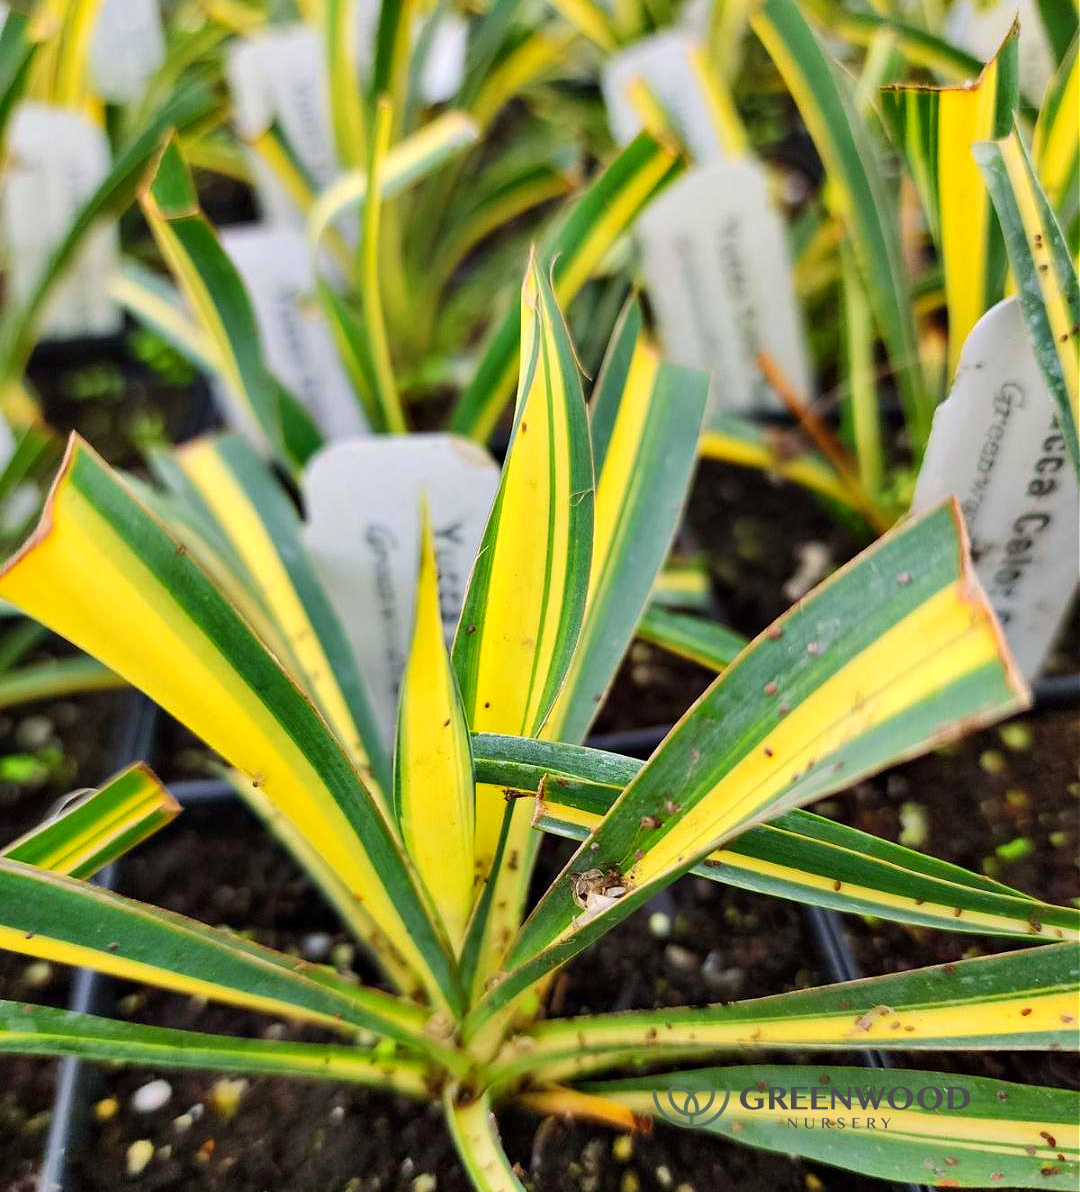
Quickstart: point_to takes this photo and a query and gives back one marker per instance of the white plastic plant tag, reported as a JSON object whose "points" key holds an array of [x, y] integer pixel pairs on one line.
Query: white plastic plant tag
{"points": [[663, 63], [443, 71], [278, 76], [127, 47], [363, 507], [56, 160], [275, 264], [996, 445], [980, 28], [718, 270]]}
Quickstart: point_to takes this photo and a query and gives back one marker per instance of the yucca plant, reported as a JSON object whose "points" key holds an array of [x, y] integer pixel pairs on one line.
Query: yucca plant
{"points": [[991, 183], [428, 865]]}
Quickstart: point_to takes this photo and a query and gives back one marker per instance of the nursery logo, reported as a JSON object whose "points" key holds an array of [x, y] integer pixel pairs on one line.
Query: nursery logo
{"points": [[692, 1107], [869, 1107]]}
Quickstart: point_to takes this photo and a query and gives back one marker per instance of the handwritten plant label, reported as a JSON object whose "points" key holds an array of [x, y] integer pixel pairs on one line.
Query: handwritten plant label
{"points": [[996, 444], [276, 267], [56, 159], [362, 498], [127, 47], [716, 260], [663, 63], [980, 27], [278, 76]]}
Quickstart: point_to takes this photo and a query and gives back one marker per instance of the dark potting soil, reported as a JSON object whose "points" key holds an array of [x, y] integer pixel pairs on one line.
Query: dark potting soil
{"points": [[114, 401], [53, 747]]}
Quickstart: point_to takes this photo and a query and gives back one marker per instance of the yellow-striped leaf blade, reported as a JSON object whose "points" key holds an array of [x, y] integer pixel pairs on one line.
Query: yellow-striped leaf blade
{"points": [[95, 827], [895, 653], [607, 208], [1056, 147], [20, 323], [45, 1031], [230, 483], [72, 922], [1044, 270], [798, 855], [1007, 1135], [936, 127], [862, 201], [433, 769], [1022, 1000], [220, 302], [644, 418], [102, 572], [476, 1137], [526, 597], [695, 638]]}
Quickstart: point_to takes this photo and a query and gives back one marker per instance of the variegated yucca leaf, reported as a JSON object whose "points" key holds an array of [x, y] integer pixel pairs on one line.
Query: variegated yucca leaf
{"points": [[433, 770], [831, 692], [21, 323], [644, 419], [102, 571], [92, 828], [1045, 274], [860, 197], [476, 1137], [862, 25], [1056, 147], [525, 601], [45, 1031], [57, 918], [606, 209], [1022, 1000], [348, 112], [691, 637], [225, 480], [1007, 1135], [936, 127], [798, 855], [217, 296]]}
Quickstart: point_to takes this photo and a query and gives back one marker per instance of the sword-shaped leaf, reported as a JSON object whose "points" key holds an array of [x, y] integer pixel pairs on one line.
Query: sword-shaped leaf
{"points": [[45, 1031], [20, 324], [101, 571], [60, 919], [1023, 1000], [936, 127], [843, 142], [644, 417], [526, 597], [262, 528], [606, 209], [1007, 1135], [433, 770], [799, 855], [94, 827], [1044, 270], [691, 637], [895, 653], [216, 293], [1056, 147]]}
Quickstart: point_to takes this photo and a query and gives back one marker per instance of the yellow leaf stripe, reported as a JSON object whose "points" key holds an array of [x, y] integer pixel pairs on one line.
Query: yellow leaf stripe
{"points": [[433, 769], [103, 573], [96, 827], [210, 465]]}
